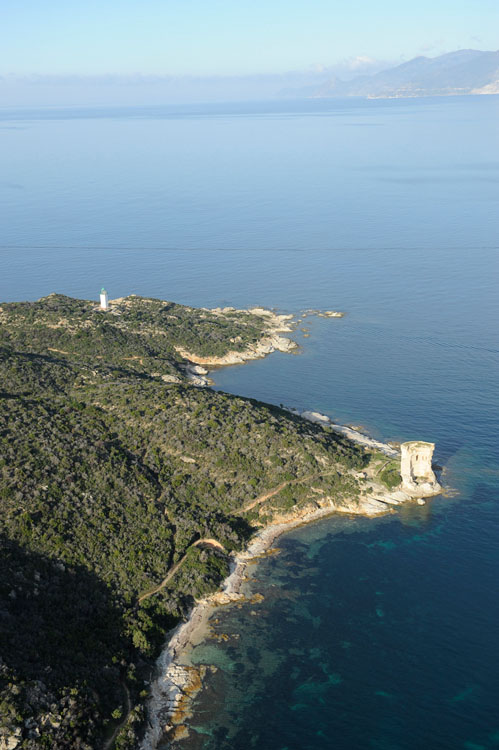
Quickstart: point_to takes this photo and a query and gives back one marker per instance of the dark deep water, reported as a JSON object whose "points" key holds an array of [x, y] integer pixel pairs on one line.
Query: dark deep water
{"points": [[372, 634]]}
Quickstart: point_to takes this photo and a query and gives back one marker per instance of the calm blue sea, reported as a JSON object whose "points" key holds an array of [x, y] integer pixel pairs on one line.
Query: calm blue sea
{"points": [[372, 634]]}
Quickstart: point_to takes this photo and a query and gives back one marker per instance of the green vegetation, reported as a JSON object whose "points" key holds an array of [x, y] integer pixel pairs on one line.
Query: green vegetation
{"points": [[136, 333], [108, 475], [390, 474]]}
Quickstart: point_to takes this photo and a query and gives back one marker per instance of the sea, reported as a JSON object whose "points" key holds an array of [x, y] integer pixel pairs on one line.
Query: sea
{"points": [[371, 634]]}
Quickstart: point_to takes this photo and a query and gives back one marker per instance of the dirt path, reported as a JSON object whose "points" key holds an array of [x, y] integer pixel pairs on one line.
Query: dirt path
{"points": [[172, 571], [265, 496], [279, 488], [128, 704], [214, 543], [210, 543]]}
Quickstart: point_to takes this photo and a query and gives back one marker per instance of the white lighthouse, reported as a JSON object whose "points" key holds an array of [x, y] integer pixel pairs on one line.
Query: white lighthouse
{"points": [[104, 304]]}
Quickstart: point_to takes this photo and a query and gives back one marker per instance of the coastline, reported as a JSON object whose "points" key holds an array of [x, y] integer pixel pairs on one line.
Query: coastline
{"points": [[177, 682], [269, 342]]}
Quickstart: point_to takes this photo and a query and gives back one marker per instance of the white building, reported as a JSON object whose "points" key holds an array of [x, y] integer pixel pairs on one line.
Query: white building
{"points": [[104, 303]]}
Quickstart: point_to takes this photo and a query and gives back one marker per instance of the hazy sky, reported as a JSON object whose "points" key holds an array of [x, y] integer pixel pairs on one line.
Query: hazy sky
{"points": [[232, 36]]}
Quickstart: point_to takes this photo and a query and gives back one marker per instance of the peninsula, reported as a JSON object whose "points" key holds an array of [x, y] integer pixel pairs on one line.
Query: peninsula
{"points": [[127, 492]]}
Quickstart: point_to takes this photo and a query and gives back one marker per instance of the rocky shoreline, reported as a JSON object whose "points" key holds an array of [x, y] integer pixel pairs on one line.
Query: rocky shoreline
{"points": [[349, 432], [177, 680], [271, 341]]}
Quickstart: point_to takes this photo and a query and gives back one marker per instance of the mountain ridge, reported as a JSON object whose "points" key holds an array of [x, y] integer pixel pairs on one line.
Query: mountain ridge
{"points": [[461, 72]]}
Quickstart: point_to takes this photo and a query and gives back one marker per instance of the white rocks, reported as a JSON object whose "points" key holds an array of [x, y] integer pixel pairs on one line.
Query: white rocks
{"points": [[261, 312], [201, 381], [265, 346], [315, 416], [270, 341], [323, 313], [170, 379], [282, 344], [357, 437], [197, 375], [198, 370], [11, 741]]}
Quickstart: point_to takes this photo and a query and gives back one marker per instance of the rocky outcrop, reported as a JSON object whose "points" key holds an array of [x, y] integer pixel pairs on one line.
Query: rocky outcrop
{"points": [[270, 342], [323, 313], [11, 741], [170, 378], [197, 375]]}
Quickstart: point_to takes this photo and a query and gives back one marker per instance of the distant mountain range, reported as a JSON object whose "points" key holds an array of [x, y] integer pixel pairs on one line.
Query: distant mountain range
{"points": [[462, 72], [466, 71]]}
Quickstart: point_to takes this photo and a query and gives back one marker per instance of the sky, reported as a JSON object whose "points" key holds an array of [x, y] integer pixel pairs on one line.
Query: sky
{"points": [[232, 37]]}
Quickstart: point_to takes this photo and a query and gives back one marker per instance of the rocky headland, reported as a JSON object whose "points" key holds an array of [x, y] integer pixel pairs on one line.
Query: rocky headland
{"points": [[270, 341], [128, 495]]}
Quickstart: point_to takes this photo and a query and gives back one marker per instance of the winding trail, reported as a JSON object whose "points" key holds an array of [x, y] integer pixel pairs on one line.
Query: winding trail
{"points": [[128, 703], [216, 544], [208, 542], [267, 495]]}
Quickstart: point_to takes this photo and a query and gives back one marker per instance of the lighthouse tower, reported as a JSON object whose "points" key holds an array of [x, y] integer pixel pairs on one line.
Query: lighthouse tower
{"points": [[104, 304]]}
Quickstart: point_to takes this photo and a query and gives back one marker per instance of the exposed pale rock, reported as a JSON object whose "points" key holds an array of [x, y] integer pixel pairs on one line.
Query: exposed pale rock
{"points": [[315, 416], [170, 379], [11, 741], [270, 341], [261, 311], [357, 437], [225, 597], [198, 370], [323, 313], [490, 88], [265, 346]]}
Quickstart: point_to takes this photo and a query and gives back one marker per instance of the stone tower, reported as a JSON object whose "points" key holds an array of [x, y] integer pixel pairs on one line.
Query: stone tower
{"points": [[415, 468], [104, 303]]}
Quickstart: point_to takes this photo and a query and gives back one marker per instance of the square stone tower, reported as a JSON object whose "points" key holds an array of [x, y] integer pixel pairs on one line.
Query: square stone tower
{"points": [[415, 468]]}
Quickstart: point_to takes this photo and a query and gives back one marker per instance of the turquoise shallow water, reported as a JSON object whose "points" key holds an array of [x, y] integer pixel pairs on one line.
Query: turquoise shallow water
{"points": [[372, 634]]}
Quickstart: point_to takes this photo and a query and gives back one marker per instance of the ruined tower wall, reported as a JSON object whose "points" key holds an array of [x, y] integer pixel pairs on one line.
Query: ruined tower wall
{"points": [[415, 467]]}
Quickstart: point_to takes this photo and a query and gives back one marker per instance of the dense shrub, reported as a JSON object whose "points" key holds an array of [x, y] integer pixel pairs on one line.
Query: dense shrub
{"points": [[108, 475]]}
